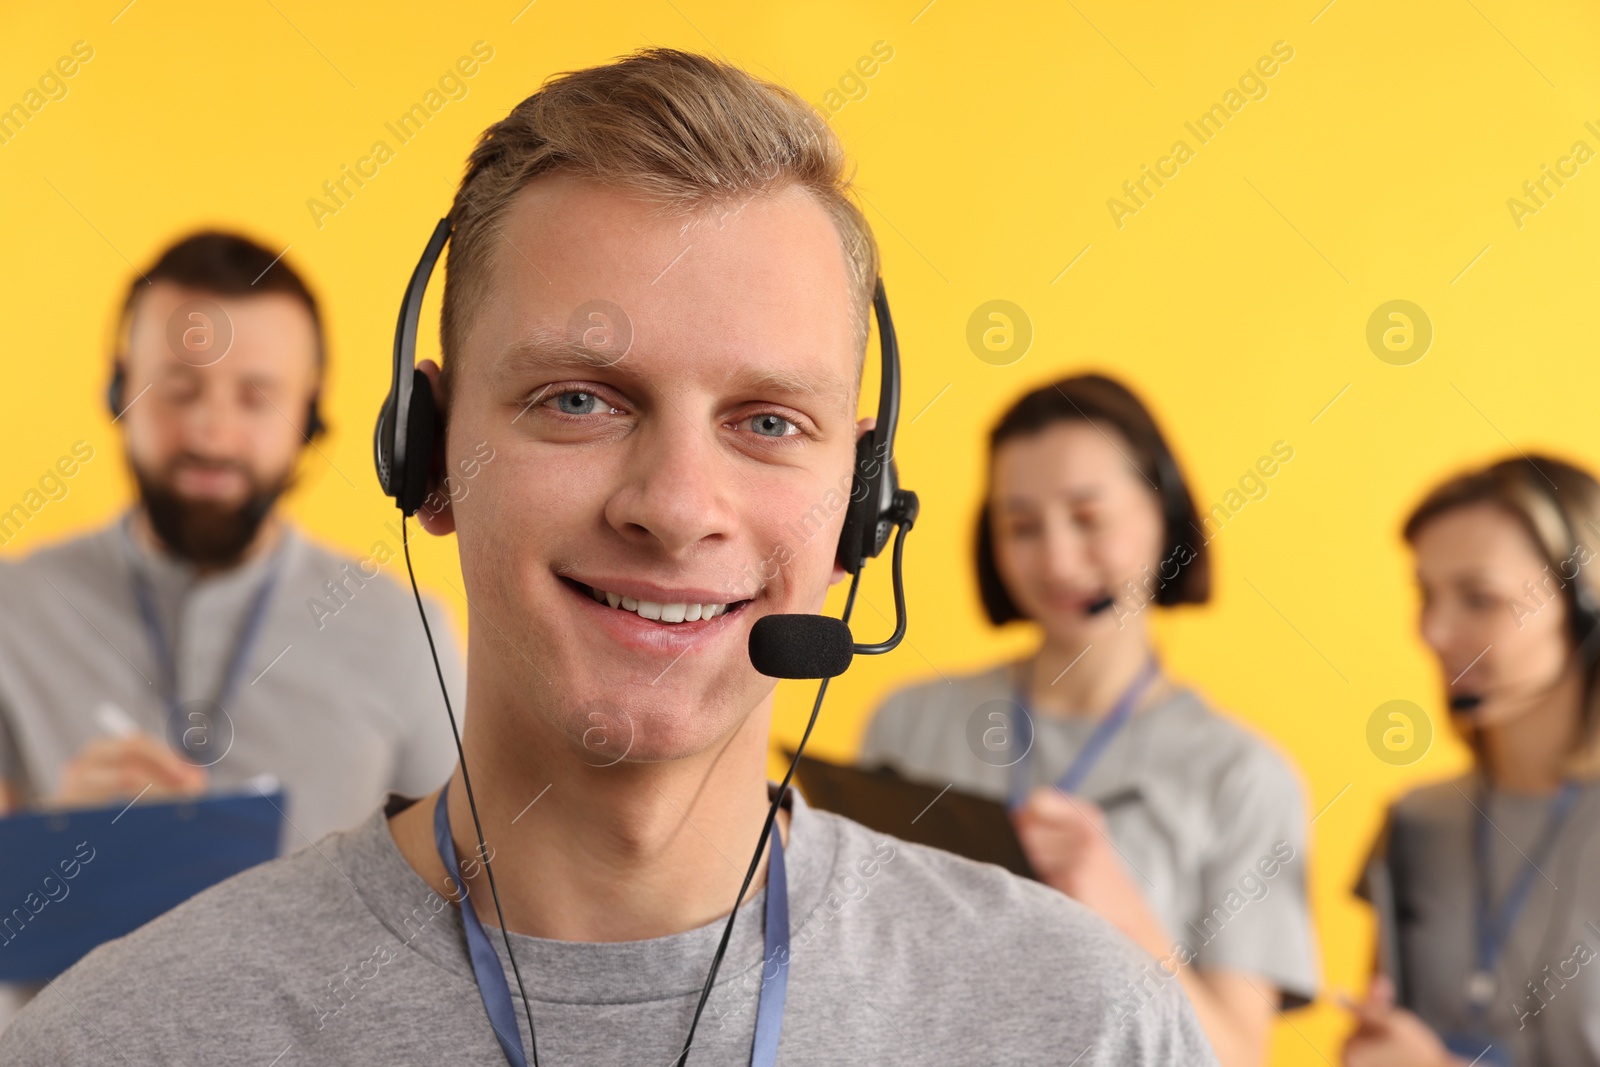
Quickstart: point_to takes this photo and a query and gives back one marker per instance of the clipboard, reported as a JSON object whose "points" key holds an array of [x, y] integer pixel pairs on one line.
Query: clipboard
{"points": [[71, 880], [880, 799], [1380, 889]]}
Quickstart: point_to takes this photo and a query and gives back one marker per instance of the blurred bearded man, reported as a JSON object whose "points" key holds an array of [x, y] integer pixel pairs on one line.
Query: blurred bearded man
{"points": [[200, 640]]}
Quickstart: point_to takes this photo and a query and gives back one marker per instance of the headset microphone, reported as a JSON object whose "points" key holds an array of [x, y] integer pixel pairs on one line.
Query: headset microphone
{"points": [[820, 646], [1585, 625], [1097, 606], [801, 646], [1468, 705]]}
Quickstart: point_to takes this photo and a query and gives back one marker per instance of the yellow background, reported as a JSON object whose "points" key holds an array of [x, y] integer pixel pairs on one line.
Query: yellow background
{"points": [[1377, 167]]}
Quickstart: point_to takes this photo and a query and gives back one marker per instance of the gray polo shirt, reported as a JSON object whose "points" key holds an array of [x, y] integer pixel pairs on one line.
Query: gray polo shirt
{"points": [[1217, 836], [337, 699], [342, 955], [1546, 1007]]}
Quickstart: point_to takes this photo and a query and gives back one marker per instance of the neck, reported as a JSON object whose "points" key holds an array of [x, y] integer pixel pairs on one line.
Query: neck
{"points": [[612, 853], [1530, 753], [266, 539], [1068, 681]]}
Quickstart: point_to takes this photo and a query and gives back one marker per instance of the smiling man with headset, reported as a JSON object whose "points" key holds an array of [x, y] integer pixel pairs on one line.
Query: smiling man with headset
{"points": [[656, 308]]}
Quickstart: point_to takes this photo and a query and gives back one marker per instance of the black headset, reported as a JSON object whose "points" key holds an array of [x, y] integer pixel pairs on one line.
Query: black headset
{"points": [[1584, 604], [408, 428], [1175, 511], [1585, 616]]}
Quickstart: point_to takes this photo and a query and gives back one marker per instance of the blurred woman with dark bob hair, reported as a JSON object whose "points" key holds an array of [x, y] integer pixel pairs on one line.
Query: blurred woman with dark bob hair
{"points": [[1128, 791], [1488, 885]]}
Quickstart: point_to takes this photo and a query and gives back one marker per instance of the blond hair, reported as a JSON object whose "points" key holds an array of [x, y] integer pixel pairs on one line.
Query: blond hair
{"points": [[682, 131]]}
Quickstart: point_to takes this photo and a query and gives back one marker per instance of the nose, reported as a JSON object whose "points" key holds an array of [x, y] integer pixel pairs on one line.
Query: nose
{"points": [[1441, 634], [1065, 558], [207, 423], [678, 489]]}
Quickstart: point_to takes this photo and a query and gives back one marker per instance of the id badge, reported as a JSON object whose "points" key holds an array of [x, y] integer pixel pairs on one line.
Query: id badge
{"points": [[1477, 1049]]}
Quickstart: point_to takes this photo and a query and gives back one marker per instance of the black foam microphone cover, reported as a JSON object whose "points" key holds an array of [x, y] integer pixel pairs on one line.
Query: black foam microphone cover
{"points": [[1097, 606], [1464, 703], [801, 646]]}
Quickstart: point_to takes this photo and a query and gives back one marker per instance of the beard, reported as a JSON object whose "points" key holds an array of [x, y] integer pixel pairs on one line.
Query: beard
{"points": [[207, 532]]}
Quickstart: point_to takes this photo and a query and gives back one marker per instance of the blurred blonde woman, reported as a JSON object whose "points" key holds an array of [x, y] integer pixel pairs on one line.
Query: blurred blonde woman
{"points": [[1494, 876], [1198, 854]]}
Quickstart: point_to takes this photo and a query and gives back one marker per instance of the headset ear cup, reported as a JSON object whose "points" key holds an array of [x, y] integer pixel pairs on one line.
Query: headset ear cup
{"points": [[1585, 617], [861, 509], [882, 514], [314, 424], [119, 375], [1175, 506], [421, 432]]}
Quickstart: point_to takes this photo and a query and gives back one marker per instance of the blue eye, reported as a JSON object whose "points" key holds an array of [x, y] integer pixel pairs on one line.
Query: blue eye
{"points": [[770, 425], [577, 403]]}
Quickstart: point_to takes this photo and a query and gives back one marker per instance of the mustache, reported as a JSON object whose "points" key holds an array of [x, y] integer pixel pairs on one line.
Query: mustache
{"points": [[193, 461]]}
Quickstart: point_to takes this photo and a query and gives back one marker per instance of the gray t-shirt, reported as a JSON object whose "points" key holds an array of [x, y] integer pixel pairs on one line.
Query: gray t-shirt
{"points": [[338, 698], [1546, 1008], [1216, 838], [343, 955]]}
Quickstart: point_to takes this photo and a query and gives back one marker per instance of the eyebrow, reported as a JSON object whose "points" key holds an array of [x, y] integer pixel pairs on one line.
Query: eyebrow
{"points": [[177, 368], [541, 350], [1471, 576], [1076, 496], [782, 381], [545, 350]]}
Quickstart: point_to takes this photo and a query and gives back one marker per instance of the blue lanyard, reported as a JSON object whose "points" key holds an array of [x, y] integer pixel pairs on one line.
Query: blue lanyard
{"points": [[491, 975], [1494, 926], [169, 663], [1092, 749]]}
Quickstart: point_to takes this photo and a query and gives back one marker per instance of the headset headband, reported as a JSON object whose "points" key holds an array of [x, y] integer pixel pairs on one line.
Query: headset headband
{"points": [[394, 420]]}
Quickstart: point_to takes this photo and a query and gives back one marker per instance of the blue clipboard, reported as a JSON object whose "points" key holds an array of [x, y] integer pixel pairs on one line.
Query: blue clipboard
{"points": [[71, 880]]}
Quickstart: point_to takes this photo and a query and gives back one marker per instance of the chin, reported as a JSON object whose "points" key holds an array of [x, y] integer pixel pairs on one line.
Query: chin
{"points": [[630, 726], [1498, 717], [1073, 626]]}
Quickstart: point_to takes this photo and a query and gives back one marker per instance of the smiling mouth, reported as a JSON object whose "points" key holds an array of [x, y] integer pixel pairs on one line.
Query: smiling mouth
{"points": [[668, 614]]}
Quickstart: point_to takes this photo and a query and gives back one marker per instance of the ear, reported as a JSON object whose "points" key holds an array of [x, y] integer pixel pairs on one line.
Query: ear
{"points": [[863, 427], [436, 515]]}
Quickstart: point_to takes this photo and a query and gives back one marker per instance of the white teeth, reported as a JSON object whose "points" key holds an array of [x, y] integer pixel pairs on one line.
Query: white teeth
{"points": [[658, 612]]}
